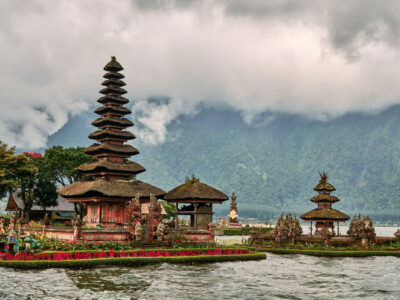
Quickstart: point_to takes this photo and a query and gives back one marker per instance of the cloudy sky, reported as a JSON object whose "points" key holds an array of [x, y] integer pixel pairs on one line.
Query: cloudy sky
{"points": [[317, 58]]}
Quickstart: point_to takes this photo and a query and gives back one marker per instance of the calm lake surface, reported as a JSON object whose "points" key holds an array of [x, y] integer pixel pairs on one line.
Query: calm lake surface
{"points": [[278, 277]]}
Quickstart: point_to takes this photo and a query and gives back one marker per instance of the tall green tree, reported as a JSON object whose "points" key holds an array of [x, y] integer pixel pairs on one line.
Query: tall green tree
{"points": [[60, 163], [14, 169]]}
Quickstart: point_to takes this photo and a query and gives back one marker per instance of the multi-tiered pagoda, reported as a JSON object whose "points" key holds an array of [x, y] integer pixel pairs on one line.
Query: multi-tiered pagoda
{"points": [[110, 177], [324, 215]]}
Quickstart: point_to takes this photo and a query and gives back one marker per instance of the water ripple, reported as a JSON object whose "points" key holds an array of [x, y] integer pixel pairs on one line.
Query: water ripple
{"points": [[278, 277]]}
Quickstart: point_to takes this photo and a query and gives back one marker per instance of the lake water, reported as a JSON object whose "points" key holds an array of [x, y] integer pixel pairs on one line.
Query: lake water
{"points": [[278, 277]]}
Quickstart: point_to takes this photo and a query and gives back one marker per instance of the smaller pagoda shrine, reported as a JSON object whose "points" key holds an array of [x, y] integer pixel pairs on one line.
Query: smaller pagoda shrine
{"points": [[324, 215], [195, 199], [233, 211]]}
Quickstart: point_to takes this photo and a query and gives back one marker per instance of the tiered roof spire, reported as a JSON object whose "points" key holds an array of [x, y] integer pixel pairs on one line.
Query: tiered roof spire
{"points": [[110, 150]]}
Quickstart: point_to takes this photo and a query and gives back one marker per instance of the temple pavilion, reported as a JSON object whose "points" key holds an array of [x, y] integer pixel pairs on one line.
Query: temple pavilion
{"points": [[110, 177], [324, 215], [195, 199]]}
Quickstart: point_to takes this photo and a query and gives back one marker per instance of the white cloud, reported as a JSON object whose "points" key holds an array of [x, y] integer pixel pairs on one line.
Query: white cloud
{"points": [[317, 59]]}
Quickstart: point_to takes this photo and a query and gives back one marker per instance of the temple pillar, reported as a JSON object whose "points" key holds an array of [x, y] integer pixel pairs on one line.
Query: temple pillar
{"points": [[176, 216], [338, 228], [195, 215]]}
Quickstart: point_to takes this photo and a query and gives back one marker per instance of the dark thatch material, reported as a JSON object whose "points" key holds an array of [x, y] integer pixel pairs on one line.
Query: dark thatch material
{"points": [[113, 90], [110, 188], [105, 164], [111, 148], [113, 75], [113, 81], [113, 99], [113, 65], [323, 185], [112, 109], [113, 121], [325, 198], [100, 134], [325, 214], [195, 190]]}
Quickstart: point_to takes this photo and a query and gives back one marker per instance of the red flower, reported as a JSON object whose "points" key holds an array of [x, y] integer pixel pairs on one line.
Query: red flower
{"points": [[376, 240], [177, 241], [349, 244], [7, 247]]}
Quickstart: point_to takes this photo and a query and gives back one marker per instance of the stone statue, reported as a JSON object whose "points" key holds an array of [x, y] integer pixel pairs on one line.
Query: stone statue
{"points": [[11, 226], [2, 230], [77, 223], [160, 231], [139, 231], [46, 220], [233, 212]]}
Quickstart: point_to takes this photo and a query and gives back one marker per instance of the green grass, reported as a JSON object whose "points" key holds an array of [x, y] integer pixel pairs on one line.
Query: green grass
{"points": [[332, 253], [243, 230], [129, 261]]}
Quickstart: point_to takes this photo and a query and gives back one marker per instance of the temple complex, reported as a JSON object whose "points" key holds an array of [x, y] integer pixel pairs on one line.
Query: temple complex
{"points": [[110, 177], [195, 199], [324, 215]]}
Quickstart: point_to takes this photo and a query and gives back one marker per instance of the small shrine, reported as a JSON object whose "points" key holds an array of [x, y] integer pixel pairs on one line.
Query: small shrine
{"points": [[324, 215], [111, 177], [233, 211], [195, 199]]}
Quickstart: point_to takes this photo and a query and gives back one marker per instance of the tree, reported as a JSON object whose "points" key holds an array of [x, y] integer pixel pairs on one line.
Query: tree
{"points": [[45, 188], [14, 169], [169, 208], [61, 164]]}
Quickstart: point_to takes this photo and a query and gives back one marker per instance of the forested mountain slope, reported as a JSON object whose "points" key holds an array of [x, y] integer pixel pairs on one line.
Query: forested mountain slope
{"points": [[273, 165]]}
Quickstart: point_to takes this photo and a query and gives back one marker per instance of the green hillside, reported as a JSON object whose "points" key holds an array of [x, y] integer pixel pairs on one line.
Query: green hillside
{"points": [[273, 166]]}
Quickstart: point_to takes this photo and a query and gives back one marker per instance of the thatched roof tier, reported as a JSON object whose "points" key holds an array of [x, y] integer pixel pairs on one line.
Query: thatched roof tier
{"points": [[113, 81], [112, 109], [112, 121], [100, 134], [324, 198], [110, 188], [105, 164], [111, 148], [195, 191], [113, 90], [113, 65], [323, 185], [328, 214], [119, 100], [115, 75]]}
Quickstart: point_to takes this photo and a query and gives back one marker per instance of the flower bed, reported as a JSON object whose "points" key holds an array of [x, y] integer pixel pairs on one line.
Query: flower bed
{"points": [[83, 259]]}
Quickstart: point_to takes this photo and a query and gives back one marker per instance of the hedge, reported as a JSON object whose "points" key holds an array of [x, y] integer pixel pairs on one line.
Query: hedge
{"points": [[128, 261], [243, 230], [332, 253]]}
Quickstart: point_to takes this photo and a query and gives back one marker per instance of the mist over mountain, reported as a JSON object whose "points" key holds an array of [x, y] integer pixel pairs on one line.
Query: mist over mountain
{"points": [[273, 164]]}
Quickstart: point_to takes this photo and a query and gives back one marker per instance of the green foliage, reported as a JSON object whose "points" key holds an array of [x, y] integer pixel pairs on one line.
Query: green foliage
{"points": [[60, 163], [243, 230], [274, 167], [169, 208], [330, 253], [129, 261], [16, 171]]}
